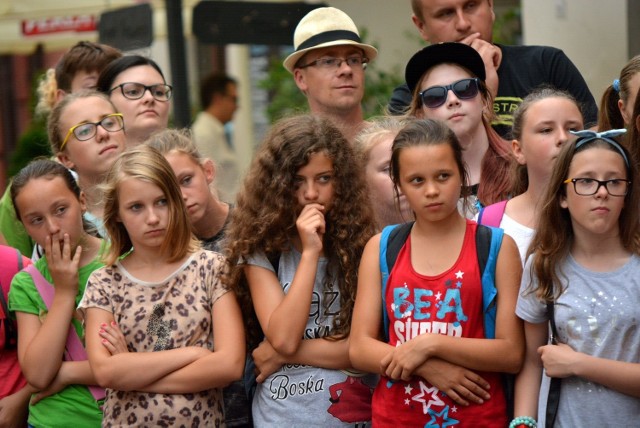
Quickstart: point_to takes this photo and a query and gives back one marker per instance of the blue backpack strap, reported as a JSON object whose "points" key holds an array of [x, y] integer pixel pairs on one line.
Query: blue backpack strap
{"points": [[488, 243], [392, 239], [492, 215]]}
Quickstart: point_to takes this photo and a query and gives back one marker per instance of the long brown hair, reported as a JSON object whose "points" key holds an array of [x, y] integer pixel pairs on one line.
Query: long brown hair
{"points": [[265, 214], [609, 116], [552, 240]]}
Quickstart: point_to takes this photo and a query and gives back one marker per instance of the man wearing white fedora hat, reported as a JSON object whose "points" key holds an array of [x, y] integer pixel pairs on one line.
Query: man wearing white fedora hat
{"points": [[328, 66]]}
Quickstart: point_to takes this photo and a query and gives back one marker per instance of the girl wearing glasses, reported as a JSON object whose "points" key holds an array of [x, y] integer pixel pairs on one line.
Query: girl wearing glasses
{"points": [[448, 83], [137, 88], [541, 127], [50, 205], [439, 359], [87, 135], [583, 277]]}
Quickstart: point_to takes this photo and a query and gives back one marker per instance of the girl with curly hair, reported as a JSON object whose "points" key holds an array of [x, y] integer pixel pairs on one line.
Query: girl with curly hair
{"points": [[297, 233]]}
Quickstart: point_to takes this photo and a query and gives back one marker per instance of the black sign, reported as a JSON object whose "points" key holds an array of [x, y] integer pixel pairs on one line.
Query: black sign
{"points": [[250, 23], [128, 28]]}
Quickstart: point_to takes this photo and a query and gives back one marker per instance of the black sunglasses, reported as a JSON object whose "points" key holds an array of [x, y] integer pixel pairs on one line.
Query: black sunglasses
{"points": [[464, 89]]}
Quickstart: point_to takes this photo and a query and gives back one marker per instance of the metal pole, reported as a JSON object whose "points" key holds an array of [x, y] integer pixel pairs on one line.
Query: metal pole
{"points": [[178, 61]]}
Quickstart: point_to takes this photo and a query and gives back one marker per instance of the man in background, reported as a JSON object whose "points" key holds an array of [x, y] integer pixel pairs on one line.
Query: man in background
{"points": [[219, 101]]}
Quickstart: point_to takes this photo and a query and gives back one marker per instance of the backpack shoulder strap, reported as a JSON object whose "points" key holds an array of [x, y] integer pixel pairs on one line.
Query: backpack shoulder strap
{"points": [[44, 287], [492, 215], [488, 243], [391, 241]]}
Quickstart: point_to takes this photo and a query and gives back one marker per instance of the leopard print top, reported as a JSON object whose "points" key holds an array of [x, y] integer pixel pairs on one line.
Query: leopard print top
{"points": [[170, 314]]}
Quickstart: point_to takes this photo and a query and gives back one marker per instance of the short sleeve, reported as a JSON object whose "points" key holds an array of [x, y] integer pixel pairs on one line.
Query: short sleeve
{"points": [[99, 290], [23, 295], [529, 308], [217, 268], [260, 259]]}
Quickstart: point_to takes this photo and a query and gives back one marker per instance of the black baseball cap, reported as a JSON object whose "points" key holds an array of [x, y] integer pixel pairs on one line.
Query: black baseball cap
{"points": [[453, 52]]}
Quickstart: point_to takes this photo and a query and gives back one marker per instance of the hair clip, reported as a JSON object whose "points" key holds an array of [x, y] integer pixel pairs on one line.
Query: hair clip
{"points": [[616, 85], [608, 136]]}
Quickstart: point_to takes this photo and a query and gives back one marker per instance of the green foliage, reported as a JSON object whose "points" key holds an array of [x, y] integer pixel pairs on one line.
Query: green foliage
{"points": [[507, 28], [33, 142]]}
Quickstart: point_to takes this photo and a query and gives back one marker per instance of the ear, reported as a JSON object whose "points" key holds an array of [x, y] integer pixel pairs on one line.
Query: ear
{"points": [[300, 79], [493, 12], [63, 158], [623, 112], [83, 201], [420, 26], [209, 170], [60, 94], [563, 202], [516, 148]]}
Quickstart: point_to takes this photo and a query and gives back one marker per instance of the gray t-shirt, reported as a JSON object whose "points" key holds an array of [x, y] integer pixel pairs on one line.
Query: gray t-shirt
{"points": [[598, 314], [299, 395]]}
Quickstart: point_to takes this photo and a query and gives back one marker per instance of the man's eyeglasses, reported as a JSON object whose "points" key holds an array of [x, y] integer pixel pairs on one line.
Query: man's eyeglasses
{"points": [[331, 63], [590, 186], [464, 89], [135, 91], [84, 131]]}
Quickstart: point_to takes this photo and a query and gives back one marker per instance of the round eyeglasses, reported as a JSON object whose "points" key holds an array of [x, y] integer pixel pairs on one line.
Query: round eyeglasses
{"points": [[86, 130], [135, 91], [331, 63], [464, 89], [590, 186]]}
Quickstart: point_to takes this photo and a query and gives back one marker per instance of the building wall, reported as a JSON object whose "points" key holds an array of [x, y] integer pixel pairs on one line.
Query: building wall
{"points": [[593, 33]]}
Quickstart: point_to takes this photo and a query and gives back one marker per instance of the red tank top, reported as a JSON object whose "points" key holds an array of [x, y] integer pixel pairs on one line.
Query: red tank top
{"points": [[451, 304]]}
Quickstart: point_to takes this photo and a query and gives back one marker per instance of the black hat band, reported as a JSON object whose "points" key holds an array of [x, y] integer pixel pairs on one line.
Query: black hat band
{"points": [[328, 36]]}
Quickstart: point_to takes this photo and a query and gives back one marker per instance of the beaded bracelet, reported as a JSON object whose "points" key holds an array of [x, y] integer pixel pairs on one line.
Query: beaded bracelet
{"points": [[524, 422]]}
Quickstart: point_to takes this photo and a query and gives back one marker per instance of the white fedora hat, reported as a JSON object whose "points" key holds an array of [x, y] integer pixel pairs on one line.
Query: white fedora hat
{"points": [[323, 27]]}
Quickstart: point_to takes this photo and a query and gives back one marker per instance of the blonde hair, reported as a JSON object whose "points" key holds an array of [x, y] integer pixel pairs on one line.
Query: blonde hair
{"points": [[146, 163], [175, 140], [55, 133], [374, 132]]}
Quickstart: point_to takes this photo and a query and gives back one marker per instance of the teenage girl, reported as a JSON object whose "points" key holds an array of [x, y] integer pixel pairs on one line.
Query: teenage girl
{"points": [[209, 217], [616, 104], [585, 266], [137, 88], [541, 126], [436, 332], [373, 148], [299, 227], [86, 134], [50, 204], [448, 83], [164, 335]]}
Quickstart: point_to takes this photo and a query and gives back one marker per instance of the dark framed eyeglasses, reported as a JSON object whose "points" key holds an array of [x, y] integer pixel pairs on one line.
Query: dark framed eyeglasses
{"points": [[590, 186], [464, 89], [135, 91], [86, 130], [332, 63]]}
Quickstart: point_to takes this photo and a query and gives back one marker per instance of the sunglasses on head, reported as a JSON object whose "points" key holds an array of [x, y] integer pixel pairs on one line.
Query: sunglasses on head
{"points": [[464, 89]]}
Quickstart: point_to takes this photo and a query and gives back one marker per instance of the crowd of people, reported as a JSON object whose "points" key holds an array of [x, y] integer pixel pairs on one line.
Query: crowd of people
{"points": [[469, 258]]}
